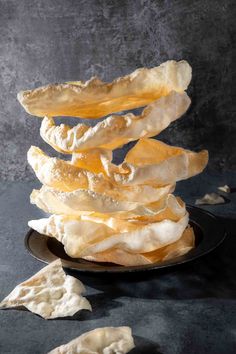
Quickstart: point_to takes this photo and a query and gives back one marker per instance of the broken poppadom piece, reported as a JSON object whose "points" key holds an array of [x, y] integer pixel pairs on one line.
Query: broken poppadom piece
{"points": [[96, 99], [106, 340], [211, 199], [225, 189], [49, 293]]}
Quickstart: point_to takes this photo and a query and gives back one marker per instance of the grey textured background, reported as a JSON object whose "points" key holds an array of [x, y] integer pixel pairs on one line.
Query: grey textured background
{"points": [[190, 309], [57, 40]]}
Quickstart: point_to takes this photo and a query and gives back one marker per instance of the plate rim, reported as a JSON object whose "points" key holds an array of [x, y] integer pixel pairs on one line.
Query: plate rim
{"points": [[192, 255]]}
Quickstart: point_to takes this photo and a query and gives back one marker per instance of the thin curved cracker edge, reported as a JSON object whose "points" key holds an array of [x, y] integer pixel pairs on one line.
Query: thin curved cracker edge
{"points": [[149, 162], [96, 99], [116, 130]]}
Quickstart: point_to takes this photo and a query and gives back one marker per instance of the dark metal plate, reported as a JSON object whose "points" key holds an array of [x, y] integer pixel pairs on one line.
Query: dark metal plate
{"points": [[208, 230]]}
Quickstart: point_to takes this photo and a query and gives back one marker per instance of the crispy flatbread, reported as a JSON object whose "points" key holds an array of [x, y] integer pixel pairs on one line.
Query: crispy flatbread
{"points": [[225, 189], [121, 257], [107, 340], [210, 199], [152, 161], [115, 131], [149, 162], [82, 237], [49, 293], [85, 201], [96, 99]]}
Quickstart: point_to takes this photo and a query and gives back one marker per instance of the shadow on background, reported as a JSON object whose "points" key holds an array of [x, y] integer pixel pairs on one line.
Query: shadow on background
{"points": [[211, 276], [101, 303], [145, 346]]}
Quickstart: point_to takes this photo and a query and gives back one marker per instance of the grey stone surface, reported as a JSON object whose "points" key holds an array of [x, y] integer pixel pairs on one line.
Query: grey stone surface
{"points": [[186, 309], [57, 40]]}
